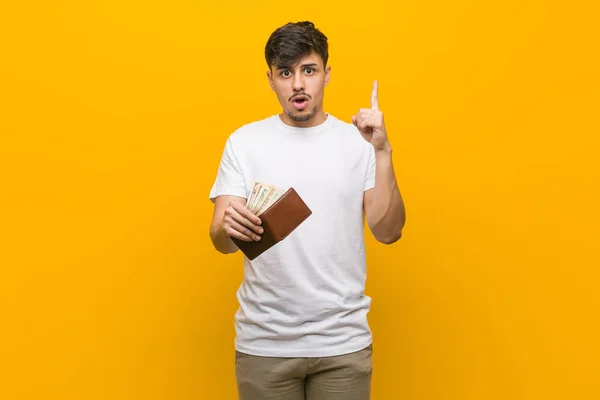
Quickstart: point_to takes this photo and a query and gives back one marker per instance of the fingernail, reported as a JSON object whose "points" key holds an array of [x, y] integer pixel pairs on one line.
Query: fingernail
{"points": [[260, 230], [257, 238]]}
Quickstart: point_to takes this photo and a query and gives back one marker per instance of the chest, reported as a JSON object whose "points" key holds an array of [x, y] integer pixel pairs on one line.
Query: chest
{"points": [[325, 172]]}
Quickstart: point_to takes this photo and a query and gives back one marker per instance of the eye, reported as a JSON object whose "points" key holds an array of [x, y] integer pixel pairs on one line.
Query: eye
{"points": [[309, 71], [286, 73]]}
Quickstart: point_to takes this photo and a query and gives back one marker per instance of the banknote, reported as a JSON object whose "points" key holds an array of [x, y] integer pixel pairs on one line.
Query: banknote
{"points": [[262, 197], [254, 197], [255, 186], [273, 196], [266, 201]]}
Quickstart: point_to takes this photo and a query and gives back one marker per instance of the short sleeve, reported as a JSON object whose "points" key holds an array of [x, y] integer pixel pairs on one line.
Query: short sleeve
{"points": [[230, 178], [370, 175]]}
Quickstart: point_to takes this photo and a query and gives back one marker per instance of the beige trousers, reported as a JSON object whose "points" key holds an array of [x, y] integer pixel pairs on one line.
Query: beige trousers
{"points": [[344, 377]]}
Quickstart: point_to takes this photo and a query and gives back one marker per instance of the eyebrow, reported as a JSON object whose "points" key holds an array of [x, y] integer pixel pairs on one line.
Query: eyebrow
{"points": [[303, 66]]}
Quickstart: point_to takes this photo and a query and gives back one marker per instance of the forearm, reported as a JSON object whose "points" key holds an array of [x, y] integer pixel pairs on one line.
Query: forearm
{"points": [[221, 240], [388, 212]]}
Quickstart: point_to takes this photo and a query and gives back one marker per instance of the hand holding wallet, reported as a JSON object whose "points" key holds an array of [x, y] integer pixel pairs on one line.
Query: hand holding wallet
{"points": [[279, 216]]}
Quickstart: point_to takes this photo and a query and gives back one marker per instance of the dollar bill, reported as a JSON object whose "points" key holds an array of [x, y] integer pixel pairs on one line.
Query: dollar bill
{"points": [[259, 189], [275, 194], [265, 198], [261, 197], [252, 197]]}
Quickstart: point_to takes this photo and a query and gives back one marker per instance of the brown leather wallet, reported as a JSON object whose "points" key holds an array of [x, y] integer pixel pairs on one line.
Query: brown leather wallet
{"points": [[278, 221]]}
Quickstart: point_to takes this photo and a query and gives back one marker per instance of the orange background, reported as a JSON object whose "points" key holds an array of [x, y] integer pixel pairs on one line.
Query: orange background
{"points": [[113, 117]]}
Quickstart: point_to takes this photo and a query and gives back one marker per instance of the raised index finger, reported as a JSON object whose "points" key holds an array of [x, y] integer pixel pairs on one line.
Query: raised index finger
{"points": [[374, 97]]}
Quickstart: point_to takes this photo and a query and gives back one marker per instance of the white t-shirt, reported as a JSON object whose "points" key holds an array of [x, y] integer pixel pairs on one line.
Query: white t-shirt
{"points": [[304, 297]]}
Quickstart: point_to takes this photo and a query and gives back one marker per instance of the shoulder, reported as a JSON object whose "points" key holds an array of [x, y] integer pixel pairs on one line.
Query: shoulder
{"points": [[343, 127], [248, 134], [252, 129], [349, 135]]}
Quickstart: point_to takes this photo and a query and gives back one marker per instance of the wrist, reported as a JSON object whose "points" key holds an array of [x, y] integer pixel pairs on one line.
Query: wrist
{"points": [[386, 149]]}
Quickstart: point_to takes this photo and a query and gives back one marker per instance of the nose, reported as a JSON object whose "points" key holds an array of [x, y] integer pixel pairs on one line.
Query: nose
{"points": [[298, 82]]}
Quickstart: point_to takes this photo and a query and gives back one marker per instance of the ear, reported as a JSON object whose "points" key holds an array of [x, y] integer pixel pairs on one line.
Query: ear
{"points": [[270, 79], [327, 74]]}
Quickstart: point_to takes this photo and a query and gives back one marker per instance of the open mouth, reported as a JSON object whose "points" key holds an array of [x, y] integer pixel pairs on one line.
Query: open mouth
{"points": [[300, 102]]}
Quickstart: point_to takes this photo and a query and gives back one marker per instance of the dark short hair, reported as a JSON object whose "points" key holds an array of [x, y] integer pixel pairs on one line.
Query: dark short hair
{"points": [[294, 40]]}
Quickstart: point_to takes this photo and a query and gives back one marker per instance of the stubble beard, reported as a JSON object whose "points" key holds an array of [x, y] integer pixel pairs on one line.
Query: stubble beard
{"points": [[302, 117]]}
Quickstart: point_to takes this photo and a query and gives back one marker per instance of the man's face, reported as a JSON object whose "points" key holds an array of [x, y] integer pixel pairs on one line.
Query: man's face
{"points": [[300, 88]]}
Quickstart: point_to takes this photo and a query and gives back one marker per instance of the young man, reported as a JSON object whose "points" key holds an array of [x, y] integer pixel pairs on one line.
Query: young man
{"points": [[301, 329]]}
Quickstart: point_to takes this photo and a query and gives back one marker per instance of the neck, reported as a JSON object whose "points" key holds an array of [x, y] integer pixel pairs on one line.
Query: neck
{"points": [[315, 120]]}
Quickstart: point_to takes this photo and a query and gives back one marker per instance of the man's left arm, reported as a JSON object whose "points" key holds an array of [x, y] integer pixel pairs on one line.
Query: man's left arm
{"points": [[383, 204]]}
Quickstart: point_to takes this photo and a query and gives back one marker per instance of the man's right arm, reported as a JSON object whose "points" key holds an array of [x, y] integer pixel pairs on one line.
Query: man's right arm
{"points": [[231, 218]]}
